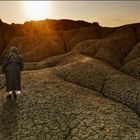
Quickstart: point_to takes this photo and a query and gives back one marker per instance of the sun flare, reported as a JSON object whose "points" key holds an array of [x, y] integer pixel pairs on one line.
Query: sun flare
{"points": [[36, 10]]}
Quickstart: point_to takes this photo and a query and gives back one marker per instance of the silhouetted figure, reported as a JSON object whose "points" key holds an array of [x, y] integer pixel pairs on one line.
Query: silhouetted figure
{"points": [[12, 66]]}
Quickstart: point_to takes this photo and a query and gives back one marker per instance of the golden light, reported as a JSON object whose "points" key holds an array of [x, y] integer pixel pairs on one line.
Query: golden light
{"points": [[36, 10]]}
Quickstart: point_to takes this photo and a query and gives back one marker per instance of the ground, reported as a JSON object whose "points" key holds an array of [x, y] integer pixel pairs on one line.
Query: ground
{"points": [[51, 108]]}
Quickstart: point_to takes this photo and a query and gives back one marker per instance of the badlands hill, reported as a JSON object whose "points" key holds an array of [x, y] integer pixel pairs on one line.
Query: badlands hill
{"points": [[81, 82]]}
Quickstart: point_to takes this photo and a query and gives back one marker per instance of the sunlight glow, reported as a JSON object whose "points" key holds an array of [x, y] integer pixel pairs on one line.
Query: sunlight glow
{"points": [[36, 10]]}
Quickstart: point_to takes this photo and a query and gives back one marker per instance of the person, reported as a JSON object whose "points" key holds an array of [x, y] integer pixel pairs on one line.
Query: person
{"points": [[11, 67]]}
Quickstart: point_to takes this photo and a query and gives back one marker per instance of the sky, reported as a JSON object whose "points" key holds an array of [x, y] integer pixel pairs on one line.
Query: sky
{"points": [[107, 13]]}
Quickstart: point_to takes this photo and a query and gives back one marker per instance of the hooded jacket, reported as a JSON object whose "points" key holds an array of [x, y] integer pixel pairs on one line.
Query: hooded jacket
{"points": [[12, 57], [12, 66]]}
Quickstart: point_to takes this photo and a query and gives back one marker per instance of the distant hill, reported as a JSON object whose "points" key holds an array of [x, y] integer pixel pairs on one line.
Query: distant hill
{"points": [[45, 33], [37, 40]]}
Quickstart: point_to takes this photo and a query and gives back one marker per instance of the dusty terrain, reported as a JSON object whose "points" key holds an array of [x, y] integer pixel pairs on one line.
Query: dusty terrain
{"points": [[90, 91]]}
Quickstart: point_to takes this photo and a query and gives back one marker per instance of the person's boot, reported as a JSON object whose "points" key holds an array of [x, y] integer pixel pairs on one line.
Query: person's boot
{"points": [[18, 92], [9, 96], [14, 94]]}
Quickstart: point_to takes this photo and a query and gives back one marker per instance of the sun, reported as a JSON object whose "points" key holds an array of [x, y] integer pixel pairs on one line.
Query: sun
{"points": [[36, 10]]}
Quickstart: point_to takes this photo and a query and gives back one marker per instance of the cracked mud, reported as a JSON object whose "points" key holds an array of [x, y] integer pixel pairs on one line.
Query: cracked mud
{"points": [[51, 108]]}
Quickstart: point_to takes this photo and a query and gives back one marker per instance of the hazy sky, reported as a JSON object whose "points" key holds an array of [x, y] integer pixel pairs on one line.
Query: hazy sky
{"points": [[107, 13]]}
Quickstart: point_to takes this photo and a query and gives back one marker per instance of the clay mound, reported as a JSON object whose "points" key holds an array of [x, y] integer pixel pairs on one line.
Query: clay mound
{"points": [[112, 49], [89, 47], [117, 46], [7, 32], [132, 68], [22, 43], [52, 42], [43, 48], [19, 35], [47, 49], [88, 33], [78, 71], [36, 48], [83, 34], [97, 75], [46, 46], [135, 53]]}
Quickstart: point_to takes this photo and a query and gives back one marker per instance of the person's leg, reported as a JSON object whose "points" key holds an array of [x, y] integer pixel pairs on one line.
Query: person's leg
{"points": [[14, 94]]}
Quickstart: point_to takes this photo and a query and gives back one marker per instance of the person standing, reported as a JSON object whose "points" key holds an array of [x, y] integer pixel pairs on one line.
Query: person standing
{"points": [[11, 67]]}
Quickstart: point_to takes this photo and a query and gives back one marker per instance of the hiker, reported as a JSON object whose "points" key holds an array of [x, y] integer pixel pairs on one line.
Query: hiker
{"points": [[11, 67]]}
